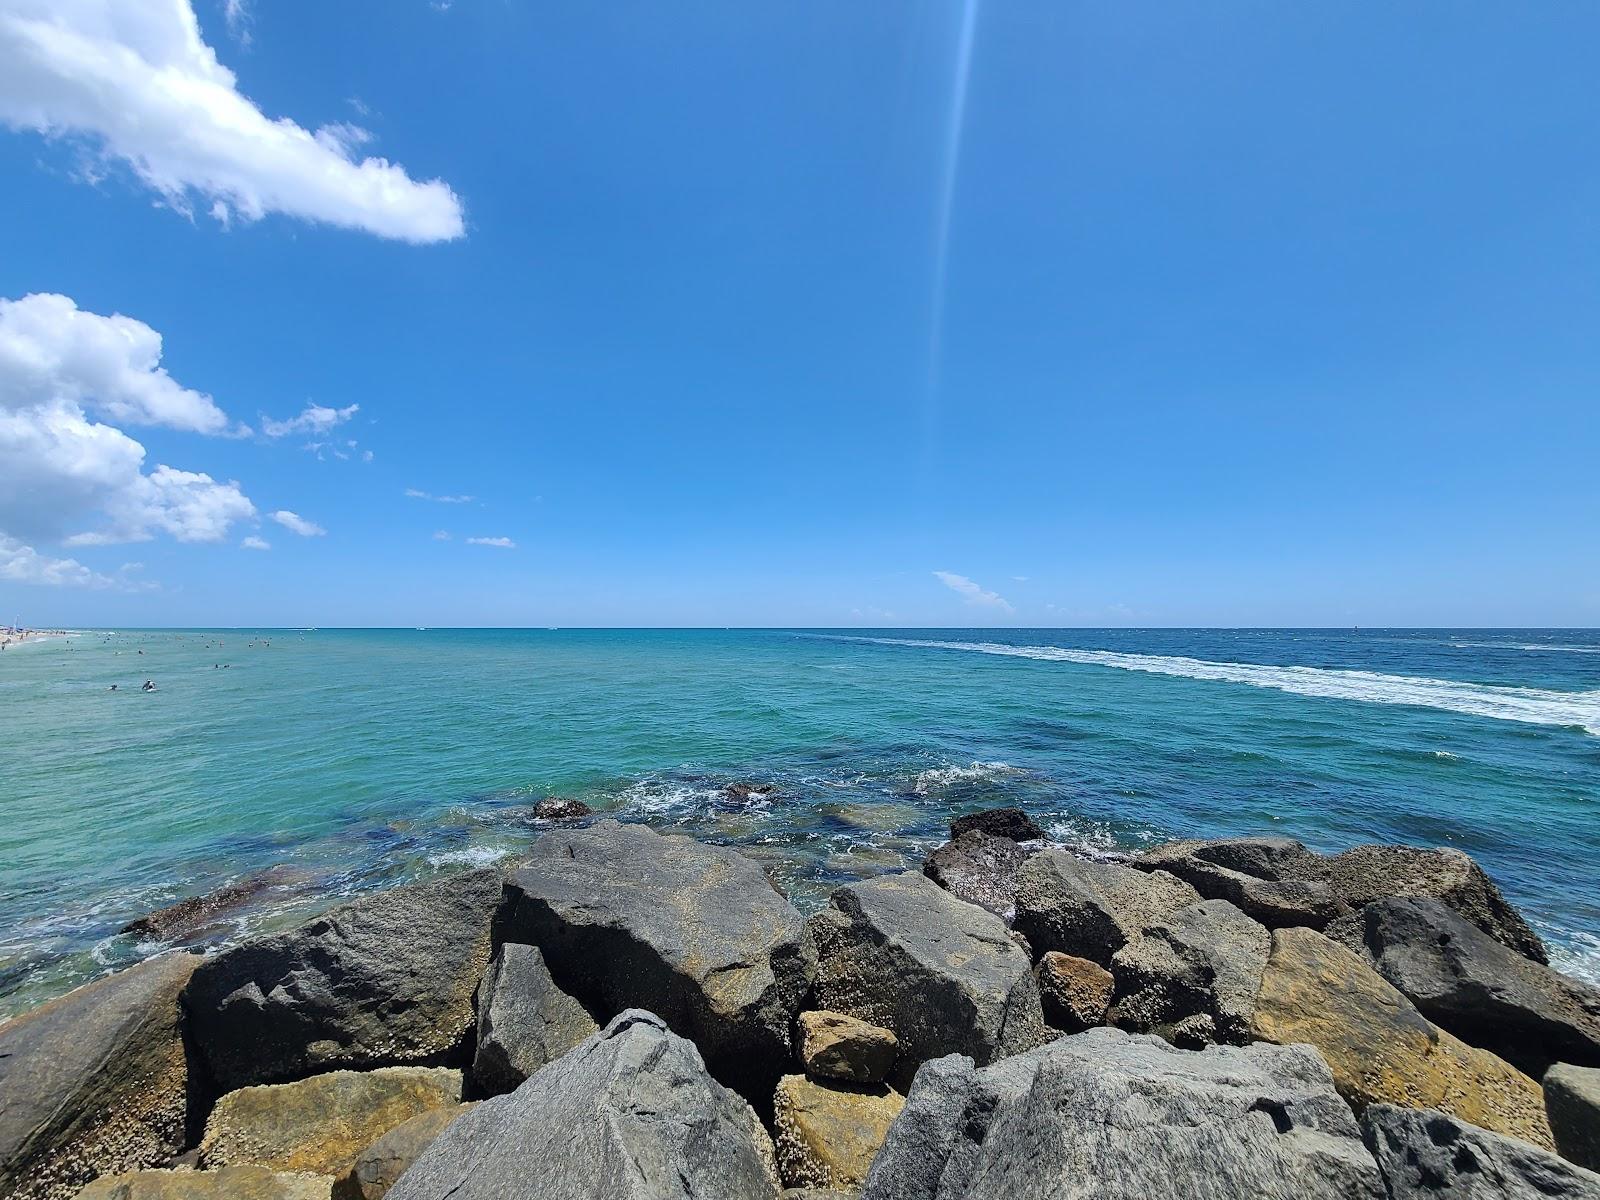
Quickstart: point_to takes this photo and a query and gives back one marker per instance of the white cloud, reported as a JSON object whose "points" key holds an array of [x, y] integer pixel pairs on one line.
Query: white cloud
{"points": [[254, 543], [23, 564], [972, 593], [138, 80], [314, 418], [418, 494], [53, 351], [441, 535], [295, 523], [237, 14], [503, 543]]}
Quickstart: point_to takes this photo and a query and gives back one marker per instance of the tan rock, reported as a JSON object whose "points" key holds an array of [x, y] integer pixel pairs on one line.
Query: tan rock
{"points": [[836, 1046], [1379, 1047], [321, 1124], [380, 1164], [230, 1183], [829, 1133], [1075, 991]]}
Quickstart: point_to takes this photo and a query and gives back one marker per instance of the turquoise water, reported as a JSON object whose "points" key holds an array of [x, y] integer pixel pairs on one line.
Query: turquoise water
{"points": [[362, 757]]}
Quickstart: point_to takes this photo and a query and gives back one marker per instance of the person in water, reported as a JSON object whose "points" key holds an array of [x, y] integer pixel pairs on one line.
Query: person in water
{"points": [[149, 686]]}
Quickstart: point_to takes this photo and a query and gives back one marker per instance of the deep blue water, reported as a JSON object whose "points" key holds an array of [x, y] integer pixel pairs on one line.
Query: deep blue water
{"points": [[362, 757]]}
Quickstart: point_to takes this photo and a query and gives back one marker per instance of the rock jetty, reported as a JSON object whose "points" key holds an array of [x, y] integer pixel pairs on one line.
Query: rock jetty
{"points": [[626, 1015]]}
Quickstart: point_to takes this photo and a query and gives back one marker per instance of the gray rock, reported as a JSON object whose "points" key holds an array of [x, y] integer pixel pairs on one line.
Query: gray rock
{"points": [[1194, 977], [1010, 823], [384, 980], [943, 975], [95, 1082], [626, 917], [1122, 1117], [1424, 1153], [630, 1114], [981, 869], [807, 1193], [524, 1020], [1249, 873], [1484, 993], [1091, 909], [1572, 1100]]}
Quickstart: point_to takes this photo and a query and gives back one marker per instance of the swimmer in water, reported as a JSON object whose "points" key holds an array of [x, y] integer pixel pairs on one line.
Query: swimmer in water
{"points": [[149, 686]]}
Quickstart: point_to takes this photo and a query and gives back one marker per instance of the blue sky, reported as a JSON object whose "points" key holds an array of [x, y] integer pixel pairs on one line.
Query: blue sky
{"points": [[1250, 314]]}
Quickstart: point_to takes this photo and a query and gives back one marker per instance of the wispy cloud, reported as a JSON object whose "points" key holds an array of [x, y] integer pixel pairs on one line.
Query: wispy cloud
{"points": [[314, 418], [973, 593], [295, 523], [419, 494], [254, 543], [441, 535], [503, 543]]}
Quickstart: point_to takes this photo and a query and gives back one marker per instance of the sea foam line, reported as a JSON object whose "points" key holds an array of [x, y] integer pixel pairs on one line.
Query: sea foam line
{"points": [[1535, 706]]}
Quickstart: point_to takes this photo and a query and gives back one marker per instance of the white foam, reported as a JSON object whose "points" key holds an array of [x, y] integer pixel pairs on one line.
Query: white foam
{"points": [[1581, 960], [469, 856], [1526, 646], [1536, 706], [937, 778]]}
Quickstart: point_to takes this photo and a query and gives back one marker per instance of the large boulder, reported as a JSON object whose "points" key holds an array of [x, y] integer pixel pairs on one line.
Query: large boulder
{"points": [[827, 1133], [1427, 1155], [1192, 978], [1479, 990], [1121, 1117], [382, 980], [979, 868], [1010, 823], [320, 1124], [524, 1020], [378, 1167], [836, 1046], [1075, 992], [1254, 875], [1572, 1102], [94, 1082], [1379, 1047], [1090, 909], [943, 975], [626, 917], [630, 1114], [230, 1183]]}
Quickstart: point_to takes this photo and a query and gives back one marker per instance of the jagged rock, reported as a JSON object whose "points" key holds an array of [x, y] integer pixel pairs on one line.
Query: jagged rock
{"points": [[94, 1082], [746, 792], [1572, 1102], [558, 808], [384, 979], [942, 974], [836, 1046], [194, 916], [627, 917], [1380, 1048], [1426, 1154], [828, 1133], [230, 1183], [378, 1166], [1010, 823], [1249, 873], [980, 869], [1091, 909], [524, 1020], [1122, 1117], [1479, 990], [630, 1114], [808, 1193], [1192, 978], [320, 1124], [1074, 991]]}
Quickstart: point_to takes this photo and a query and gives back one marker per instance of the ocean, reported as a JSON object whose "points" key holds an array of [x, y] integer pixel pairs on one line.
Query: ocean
{"points": [[354, 759]]}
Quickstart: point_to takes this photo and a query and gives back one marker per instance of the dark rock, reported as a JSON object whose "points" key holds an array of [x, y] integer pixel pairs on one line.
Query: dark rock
{"points": [[1119, 1117], [557, 808], [94, 1082], [1479, 990], [630, 1114], [1193, 978], [810, 1193], [943, 975], [746, 792], [834, 1046], [625, 916], [1572, 1101], [981, 869], [1090, 909], [1424, 1154], [1010, 823], [384, 980], [192, 918], [524, 1020], [1075, 992], [1250, 873]]}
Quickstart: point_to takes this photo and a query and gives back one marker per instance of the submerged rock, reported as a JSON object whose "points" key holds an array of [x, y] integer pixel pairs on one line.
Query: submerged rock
{"points": [[1379, 1047], [1425, 1155], [230, 1183], [384, 979], [943, 975], [1010, 823], [827, 1133], [1572, 1102], [1121, 1117], [558, 808], [1091, 909], [94, 1082], [196, 915], [626, 917], [630, 1114], [836, 1046], [320, 1124], [981, 869], [524, 1020]]}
